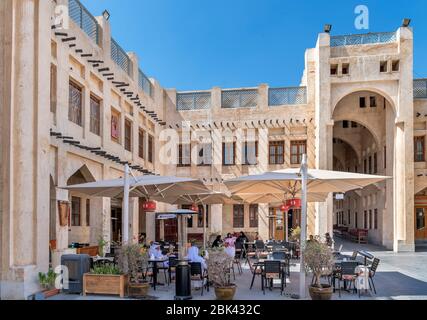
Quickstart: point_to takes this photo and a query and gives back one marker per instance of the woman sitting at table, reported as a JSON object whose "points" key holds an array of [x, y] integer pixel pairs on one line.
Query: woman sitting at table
{"points": [[156, 254], [193, 255], [217, 242], [229, 244]]}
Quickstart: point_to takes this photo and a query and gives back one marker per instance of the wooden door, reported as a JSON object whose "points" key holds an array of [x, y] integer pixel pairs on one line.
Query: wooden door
{"points": [[421, 223]]}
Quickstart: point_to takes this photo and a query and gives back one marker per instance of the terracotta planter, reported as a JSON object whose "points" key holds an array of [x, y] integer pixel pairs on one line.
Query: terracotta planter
{"points": [[138, 289], [225, 293], [105, 284], [324, 293], [50, 293]]}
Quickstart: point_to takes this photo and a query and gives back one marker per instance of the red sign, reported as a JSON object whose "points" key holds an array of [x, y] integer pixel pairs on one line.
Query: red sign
{"points": [[284, 207], [294, 203], [149, 206], [195, 208]]}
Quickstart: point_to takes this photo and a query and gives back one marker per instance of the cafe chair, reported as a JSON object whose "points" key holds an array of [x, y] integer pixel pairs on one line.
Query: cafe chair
{"points": [[198, 274], [272, 270], [372, 272]]}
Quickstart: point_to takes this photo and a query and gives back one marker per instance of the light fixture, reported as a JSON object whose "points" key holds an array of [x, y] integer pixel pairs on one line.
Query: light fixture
{"points": [[327, 28], [106, 15], [406, 22]]}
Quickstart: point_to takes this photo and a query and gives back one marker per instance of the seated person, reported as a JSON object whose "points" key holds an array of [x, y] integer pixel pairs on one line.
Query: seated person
{"points": [[156, 253], [217, 242], [193, 255], [229, 244]]}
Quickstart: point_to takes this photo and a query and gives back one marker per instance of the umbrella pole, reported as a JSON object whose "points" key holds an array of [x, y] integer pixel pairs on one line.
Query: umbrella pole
{"points": [[302, 284], [125, 226], [204, 227]]}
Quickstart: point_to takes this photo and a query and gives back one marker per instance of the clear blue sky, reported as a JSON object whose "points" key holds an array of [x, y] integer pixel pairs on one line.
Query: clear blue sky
{"points": [[199, 44]]}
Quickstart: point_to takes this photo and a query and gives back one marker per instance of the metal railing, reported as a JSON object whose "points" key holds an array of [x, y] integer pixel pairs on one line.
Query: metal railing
{"points": [[193, 101], [145, 83], [120, 57], [82, 17], [287, 96], [245, 98], [420, 89], [359, 39]]}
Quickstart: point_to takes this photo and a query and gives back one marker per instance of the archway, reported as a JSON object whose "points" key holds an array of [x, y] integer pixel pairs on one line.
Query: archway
{"points": [[363, 142]]}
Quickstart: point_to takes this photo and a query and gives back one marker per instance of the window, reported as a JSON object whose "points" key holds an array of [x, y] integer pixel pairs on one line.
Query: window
{"points": [[375, 163], [362, 102], [298, 149], [53, 88], [373, 102], [385, 157], [95, 115], [190, 218], [334, 69], [365, 166], [345, 68], [420, 219], [204, 154], [75, 104], [376, 219], [395, 65], [228, 154], [277, 152], [238, 216], [75, 212], [128, 135], [250, 153], [253, 216], [365, 220], [200, 216], [349, 217], [115, 126], [383, 66], [345, 124], [184, 155], [419, 149], [141, 144], [356, 225], [150, 148], [87, 213], [370, 220], [354, 124]]}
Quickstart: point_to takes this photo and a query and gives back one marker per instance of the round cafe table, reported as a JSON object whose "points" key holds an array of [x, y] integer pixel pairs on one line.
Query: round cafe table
{"points": [[155, 262]]}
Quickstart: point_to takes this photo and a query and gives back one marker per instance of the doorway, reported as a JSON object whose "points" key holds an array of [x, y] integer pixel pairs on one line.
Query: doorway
{"points": [[116, 224], [420, 223], [277, 225]]}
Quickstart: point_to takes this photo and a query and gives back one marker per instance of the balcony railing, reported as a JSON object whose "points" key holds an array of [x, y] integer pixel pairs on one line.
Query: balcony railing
{"points": [[359, 39], [120, 57], [193, 101], [287, 96], [420, 89], [246, 98], [81, 16], [145, 83]]}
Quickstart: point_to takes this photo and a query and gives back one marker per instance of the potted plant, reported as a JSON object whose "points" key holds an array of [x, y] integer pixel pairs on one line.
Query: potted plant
{"points": [[296, 234], [105, 279], [219, 264], [101, 245], [318, 259], [47, 283], [131, 259]]}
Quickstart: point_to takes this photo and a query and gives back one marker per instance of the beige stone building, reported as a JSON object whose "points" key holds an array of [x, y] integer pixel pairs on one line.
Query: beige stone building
{"points": [[76, 108]]}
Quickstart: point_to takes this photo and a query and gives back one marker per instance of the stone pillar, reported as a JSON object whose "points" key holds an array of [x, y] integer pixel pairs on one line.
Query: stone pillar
{"points": [[324, 127], [25, 111], [263, 222], [216, 219]]}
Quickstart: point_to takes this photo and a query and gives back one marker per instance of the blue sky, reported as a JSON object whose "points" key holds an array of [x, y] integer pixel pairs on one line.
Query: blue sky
{"points": [[199, 44]]}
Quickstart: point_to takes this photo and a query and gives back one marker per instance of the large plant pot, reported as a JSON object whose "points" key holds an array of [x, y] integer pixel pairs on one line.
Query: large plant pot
{"points": [[138, 289], [225, 293], [323, 293], [105, 284]]}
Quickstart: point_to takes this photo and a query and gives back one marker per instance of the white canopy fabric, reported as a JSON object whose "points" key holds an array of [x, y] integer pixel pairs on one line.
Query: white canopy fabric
{"points": [[319, 182], [143, 186], [279, 198], [205, 198]]}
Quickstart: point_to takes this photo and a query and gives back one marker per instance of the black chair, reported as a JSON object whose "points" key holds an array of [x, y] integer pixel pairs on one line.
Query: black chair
{"points": [[372, 272], [354, 255], [173, 261], [272, 270], [197, 274], [236, 261], [345, 272], [255, 270], [259, 245]]}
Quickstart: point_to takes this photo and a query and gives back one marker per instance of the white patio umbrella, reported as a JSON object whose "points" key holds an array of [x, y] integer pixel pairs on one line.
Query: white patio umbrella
{"points": [[205, 198], [147, 187], [301, 181]]}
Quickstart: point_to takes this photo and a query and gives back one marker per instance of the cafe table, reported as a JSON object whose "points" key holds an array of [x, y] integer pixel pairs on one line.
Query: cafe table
{"points": [[155, 263]]}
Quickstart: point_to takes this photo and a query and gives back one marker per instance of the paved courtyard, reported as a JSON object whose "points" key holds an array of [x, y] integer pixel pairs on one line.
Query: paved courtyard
{"points": [[400, 276]]}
